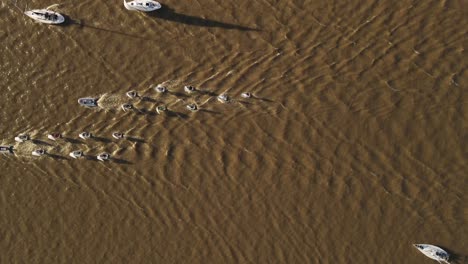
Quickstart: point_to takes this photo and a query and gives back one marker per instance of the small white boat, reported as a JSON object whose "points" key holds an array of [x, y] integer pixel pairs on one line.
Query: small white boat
{"points": [[161, 109], [246, 95], [22, 138], [223, 98], [88, 102], [38, 152], [433, 252], [142, 5], [103, 157], [46, 16], [76, 154], [126, 107], [85, 135], [6, 149], [54, 136], [189, 89], [160, 89], [192, 107], [132, 94], [118, 135]]}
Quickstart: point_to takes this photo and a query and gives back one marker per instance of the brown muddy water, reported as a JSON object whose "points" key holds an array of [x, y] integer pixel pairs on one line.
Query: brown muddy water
{"points": [[353, 147]]}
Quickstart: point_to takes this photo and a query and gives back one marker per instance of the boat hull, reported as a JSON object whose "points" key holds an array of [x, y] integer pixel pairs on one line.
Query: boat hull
{"points": [[45, 16], [88, 102], [433, 252], [6, 149], [142, 5]]}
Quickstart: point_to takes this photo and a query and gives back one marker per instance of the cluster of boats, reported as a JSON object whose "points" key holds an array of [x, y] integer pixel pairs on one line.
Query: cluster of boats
{"points": [[91, 102], [48, 16], [21, 138]]}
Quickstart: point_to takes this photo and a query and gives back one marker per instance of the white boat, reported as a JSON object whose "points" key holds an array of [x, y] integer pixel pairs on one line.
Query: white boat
{"points": [[118, 135], [223, 98], [22, 138], [192, 107], [38, 152], [189, 89], [132, 94], [6, 149], [103, 157], [246, 95], [160, 89], [142, 5], [161, 109], [88, 102], [85, 135], [433, 252], [54, 136], [76, 154], [45, 16], [126, 107]]}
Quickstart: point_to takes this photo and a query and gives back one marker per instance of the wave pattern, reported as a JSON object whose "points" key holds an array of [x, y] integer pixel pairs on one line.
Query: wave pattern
{"points": [[351, 149]]}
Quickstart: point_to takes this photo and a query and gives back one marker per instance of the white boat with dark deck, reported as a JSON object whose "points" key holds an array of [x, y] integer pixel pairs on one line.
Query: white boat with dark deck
{"points": [[223, 98], [433, 252], [161, 109], [246, 95], [160, 89], [88, 102], [118, 135], [22, 138], [54, 136], [6, 149], [38, 152], [103, 157], [85, 135], [46, 16], [142, 5], [76, 154]]}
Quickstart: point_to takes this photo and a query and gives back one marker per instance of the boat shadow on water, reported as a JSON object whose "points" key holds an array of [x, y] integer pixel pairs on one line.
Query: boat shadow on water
{"points": [[72, 140], [457, 258], [115, 160], [82, 23], [135, 139], [40, 142], [169, 14], [56, 156], [209, 111], [102, 139], [175, 114]]}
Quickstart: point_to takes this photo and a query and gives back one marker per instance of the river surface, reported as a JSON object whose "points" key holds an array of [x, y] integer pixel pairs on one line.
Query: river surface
{"points": [[353, 146]]}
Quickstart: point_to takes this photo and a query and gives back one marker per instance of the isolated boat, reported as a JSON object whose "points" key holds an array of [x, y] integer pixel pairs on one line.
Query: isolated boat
{"points": [[85, 135], [192, 107], [54, 136], [103, 157], [433, 252], [22, 138], [76, 154], [223, 98], [45, 16], [38, 152], [142, 5], [6, 149], [88, 102], [246, 95], [118, 135], [189, 89]]}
